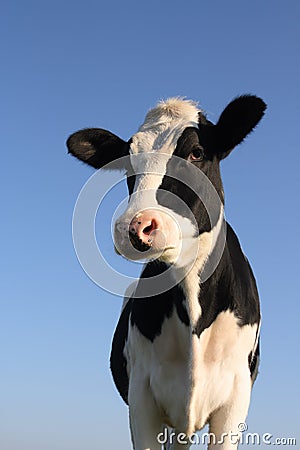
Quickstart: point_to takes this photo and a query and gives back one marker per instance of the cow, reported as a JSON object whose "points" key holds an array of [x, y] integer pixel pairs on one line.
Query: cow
{"points": [[185, 351]]}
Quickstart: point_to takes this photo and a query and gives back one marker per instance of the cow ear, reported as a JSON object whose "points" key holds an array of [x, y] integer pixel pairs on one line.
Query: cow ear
{"points": [[237, 120], [97, 147]]}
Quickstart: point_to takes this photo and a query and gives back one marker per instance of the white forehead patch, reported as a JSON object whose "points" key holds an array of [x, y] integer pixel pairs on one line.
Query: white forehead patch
{"points": [[163, 126], [172, 109]]}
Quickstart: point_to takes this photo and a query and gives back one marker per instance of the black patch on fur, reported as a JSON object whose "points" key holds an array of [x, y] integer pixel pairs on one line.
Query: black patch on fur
{"points": [[195, 208], [253, 361], [148, 314], [118, 364]]}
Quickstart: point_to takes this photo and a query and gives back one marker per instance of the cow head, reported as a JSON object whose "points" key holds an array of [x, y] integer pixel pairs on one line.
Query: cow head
{"points": [[173, 176]]}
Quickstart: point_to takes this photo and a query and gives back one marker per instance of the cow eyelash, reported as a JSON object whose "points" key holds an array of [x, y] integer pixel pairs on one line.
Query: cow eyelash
{"points": [[196, 155]]}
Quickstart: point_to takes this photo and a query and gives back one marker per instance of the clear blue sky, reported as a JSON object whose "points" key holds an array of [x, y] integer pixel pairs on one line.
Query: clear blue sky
{"points": [[68, 65]]}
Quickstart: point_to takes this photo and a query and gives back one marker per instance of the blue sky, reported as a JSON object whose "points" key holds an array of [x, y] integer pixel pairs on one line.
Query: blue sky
{"points": [[68, 65]]}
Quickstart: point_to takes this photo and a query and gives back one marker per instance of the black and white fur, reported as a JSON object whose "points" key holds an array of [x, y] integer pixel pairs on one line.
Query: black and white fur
{"points": [[188, 356]]}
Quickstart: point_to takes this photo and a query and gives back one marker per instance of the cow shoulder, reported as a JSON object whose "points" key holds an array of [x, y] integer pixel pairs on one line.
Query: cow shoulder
{"points": [[243, 289], [231, 287]]}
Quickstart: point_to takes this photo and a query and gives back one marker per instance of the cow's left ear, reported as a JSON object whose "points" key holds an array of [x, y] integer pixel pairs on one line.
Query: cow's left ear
{"points": [[237, 120]]}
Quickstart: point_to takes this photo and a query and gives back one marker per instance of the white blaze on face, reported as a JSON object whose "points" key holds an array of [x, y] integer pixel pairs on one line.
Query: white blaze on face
{"points": [[151, 148], [157, 139]]}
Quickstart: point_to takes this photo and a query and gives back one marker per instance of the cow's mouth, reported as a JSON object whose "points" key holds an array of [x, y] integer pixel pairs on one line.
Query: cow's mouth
{"points": [[138, 244]]}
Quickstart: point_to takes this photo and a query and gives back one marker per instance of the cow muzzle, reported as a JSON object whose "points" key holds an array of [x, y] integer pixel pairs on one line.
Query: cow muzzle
{"points": [[148, 234]]}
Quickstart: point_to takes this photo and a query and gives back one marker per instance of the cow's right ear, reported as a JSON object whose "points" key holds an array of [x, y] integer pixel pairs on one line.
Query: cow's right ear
{"points": [[98, 147]]}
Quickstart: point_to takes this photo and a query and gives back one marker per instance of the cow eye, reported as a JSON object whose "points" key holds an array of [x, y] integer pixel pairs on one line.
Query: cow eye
{"points": [[196, 154]]}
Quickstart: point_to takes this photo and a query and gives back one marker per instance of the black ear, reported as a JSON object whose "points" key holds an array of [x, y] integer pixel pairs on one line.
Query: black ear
{"points": [[237, 120], [97, 147]]}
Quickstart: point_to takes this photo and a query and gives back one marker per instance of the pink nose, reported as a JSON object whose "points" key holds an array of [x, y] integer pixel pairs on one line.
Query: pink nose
{"points": [[144, 224]]}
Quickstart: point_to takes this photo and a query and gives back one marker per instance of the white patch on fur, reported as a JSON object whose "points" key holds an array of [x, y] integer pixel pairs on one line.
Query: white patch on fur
{"points": [[170, 110], [158, 135], [221, 353], [190, 378]]}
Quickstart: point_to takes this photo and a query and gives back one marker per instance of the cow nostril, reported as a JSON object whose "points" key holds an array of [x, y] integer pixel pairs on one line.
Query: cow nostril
{"points": [[153, 226]]}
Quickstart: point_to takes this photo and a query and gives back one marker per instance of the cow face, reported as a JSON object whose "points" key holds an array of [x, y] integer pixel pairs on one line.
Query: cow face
{"points": [[172, 163]]}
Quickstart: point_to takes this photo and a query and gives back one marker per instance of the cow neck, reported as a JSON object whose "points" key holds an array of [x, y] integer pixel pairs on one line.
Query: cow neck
{"points": [[191, 274]]}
